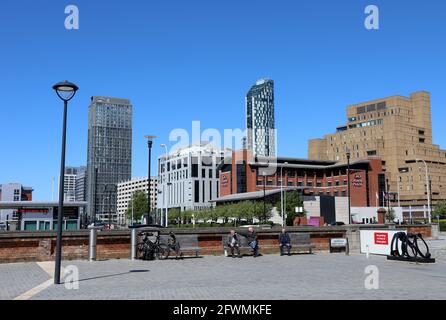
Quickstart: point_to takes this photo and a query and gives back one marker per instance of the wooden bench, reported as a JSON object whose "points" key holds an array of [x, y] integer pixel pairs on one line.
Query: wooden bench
{"points": [[188, 243], [243, 245], [301, 241]]}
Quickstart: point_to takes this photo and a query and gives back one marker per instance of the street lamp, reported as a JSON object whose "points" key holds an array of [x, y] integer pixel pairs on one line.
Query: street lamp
{"points": [[149, 144], [348, 154], [65, 91], [281, 193], [166, 193], [427, 189]]}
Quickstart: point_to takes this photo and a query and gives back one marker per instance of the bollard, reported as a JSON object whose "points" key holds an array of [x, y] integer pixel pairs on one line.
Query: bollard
{"points": [[134, 244], [93, 241]]}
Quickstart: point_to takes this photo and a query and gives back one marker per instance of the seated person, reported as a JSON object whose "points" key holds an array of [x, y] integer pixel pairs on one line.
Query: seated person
{"points": [[172, 244], [251, 236], [284, 241], [233, 243]]}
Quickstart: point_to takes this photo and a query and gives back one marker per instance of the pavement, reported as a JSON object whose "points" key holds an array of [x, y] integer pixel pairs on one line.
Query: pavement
{"points": [[270, 277]]}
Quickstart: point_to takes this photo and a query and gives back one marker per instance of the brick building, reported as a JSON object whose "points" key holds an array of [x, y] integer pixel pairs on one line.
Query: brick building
{"points": [[398, 130], [241, 173]]}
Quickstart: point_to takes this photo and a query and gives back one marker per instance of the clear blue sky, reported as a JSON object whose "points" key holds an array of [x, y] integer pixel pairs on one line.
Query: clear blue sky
{"points": [[180, 61]]}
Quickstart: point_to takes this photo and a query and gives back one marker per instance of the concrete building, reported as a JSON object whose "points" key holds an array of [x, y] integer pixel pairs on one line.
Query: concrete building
{"points": [[260, 121], [13, 192], [71, 193], [126, 190], [399, 130], [188, 177], [109, 160], [81, 184]]}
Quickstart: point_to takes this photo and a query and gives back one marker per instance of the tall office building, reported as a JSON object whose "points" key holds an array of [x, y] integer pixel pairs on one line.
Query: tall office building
{"points": [[81, 184], [260, 122], [109, 159], [69, 187], [398, 130]]}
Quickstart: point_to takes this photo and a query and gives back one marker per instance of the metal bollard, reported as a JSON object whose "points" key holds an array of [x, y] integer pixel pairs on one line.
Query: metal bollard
{"points": [[134, 244], [93, 242]]}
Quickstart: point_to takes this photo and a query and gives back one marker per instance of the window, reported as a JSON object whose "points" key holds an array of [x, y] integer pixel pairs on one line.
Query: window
{"points": [[371, 153], [421, 140], [203, 173], [269, 183]]}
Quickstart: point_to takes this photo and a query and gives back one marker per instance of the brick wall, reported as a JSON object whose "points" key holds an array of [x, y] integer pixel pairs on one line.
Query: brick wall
{"points": [[40, 246]]}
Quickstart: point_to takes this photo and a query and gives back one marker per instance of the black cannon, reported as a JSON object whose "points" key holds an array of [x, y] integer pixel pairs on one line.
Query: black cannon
{"points": [[409, 247]]}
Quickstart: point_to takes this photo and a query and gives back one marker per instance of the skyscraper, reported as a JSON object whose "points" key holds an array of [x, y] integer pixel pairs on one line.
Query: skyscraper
{"points": [[260, 122], [109, 159]]}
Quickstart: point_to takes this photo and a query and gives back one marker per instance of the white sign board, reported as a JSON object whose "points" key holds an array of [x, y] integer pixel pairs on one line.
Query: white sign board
{"points": [[377, 241], [338, 242]]}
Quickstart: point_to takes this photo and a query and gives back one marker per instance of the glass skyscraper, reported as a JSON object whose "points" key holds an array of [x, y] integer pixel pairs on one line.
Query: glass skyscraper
{"points": [[109, 159], [260, 121]]}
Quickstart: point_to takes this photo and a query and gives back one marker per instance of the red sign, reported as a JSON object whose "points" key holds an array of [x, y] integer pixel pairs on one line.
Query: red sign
{"points": [[381, 238]]}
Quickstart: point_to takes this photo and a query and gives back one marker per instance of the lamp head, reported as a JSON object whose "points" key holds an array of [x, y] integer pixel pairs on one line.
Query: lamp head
{"points": [[65, 90]]}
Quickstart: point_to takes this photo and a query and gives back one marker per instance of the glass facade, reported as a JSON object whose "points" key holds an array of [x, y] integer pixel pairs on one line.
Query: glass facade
{"points": [[260, 122], [109, 151]]}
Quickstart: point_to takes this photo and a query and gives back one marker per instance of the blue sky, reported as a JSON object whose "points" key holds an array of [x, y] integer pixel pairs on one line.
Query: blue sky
{"points": [[179, 61]]}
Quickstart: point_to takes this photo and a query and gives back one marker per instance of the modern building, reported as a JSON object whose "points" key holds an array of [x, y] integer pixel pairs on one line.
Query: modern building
{"points": [[81, 184], [188, 177], [42, 216], [126, 190], [13, 192], [109, 159], [399, 130], [241, 173], [260, 121], [71, 184]]}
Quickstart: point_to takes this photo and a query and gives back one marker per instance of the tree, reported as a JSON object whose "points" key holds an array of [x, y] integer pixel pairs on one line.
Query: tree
{"points": [[293, 200], [139, 203], [390, 215], [440, 209], [262, 211]]}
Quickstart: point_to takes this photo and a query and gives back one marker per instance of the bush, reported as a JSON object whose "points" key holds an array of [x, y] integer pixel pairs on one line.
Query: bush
{"points": [[442, 225]]}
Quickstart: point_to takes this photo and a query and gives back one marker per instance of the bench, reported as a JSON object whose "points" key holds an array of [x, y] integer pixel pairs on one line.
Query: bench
{"points": [[301, 241], [188, 243], [243, 245]]}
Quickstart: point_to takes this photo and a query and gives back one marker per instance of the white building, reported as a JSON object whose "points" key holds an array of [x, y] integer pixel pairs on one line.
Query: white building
{"points": [[126, 190], [188, 177]]}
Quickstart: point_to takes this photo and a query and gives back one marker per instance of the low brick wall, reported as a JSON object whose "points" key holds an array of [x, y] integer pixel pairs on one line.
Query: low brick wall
{"points": [[40, 246]]}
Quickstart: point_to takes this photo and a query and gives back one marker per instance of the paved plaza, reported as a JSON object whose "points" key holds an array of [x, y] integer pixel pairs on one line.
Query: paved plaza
{"points": [[270, 277]]}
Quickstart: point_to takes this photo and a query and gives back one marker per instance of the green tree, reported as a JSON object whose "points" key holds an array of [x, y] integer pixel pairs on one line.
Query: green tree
{"points": [[262, 211], [440, 209], [293, 200], [139, 203]]}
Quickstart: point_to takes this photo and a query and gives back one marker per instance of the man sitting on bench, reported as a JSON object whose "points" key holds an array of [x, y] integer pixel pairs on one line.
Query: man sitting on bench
{"points": [[284, 241], [173, 245], [233, 243], [251, 236]]}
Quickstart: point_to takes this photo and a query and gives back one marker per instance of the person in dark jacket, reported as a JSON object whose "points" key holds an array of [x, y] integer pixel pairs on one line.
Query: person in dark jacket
{"points": [[173, 245], [251, 236], [233, 243], [284, 241]]}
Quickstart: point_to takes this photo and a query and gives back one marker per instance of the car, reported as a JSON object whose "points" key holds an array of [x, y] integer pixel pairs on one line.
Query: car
{"points": [[337, 223]]}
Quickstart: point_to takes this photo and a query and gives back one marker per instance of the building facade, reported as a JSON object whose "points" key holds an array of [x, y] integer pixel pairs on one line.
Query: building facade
{"points": [[399, 130], [13, 192], [241, 173], [81, 184], [188, 177], [109, 159], [260, 121], [71, 192], [126, 190]]}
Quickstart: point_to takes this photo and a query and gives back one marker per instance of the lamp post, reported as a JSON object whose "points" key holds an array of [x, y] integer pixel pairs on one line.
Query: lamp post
{"points": [[166, 193], [427, 189], [149, 208], [348, 154], [65, 91], [281, 193]]}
